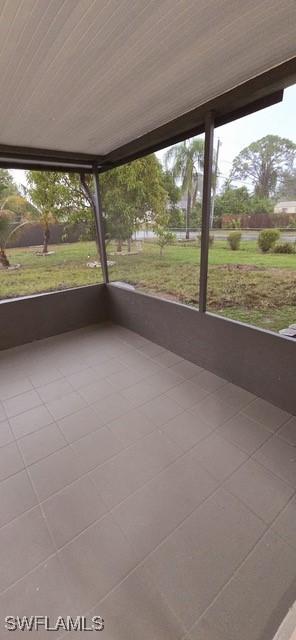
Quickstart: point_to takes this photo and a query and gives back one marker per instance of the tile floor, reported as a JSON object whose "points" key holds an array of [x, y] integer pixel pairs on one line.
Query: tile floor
{"points": [[137, 486]]}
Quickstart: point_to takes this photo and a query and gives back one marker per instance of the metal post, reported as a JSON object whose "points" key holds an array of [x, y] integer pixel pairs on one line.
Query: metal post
{"points": [[206, 210], [99, 222]]}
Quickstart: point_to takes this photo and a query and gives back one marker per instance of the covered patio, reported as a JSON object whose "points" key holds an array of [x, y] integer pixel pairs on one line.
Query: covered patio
{"points": [[147, 448]]}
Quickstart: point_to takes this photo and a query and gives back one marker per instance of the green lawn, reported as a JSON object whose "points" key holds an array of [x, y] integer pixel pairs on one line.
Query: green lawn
{"points": [[244, 285]]}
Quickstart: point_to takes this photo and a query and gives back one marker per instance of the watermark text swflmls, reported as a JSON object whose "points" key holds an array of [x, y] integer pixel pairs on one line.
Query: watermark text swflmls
{"points": [[61, 623]]}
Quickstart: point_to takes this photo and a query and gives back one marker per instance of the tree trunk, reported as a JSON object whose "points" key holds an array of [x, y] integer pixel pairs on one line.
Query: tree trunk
{"points": [[119, 245], [129, 245], [3, 258], [188, 212], [46, 238]]}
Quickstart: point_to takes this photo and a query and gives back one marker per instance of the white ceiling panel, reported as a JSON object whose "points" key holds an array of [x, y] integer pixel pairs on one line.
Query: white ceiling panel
{"points": [[91, 75]]}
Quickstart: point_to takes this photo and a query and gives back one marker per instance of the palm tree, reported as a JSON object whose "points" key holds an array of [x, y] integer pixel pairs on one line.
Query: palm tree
{"points": [[10, 223], [187, 163]]}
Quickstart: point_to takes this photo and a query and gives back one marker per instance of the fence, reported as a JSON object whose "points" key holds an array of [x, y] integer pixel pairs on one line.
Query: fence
{"points": [[259, 221], [32, 235]]}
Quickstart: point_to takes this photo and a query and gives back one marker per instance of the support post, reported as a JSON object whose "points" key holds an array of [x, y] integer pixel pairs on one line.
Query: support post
{"points": [[206, 210], [95, 202], [100, 224]]}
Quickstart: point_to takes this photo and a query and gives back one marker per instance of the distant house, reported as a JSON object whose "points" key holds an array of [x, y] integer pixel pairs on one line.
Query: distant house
{"points": [[288, 206], [198, 186]]}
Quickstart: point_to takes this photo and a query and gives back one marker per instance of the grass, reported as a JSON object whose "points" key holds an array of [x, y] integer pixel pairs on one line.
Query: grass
{"points": [[245, 285]]}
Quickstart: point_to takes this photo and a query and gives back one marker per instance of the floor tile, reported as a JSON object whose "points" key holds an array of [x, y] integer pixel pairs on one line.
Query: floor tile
{"points": [[66, 405], [131, 426], [96, 390], [270, 416], [186, 430], [287, 431], [279, 457], [24, 543], [54, 390], [253, 604], [136, 609], [191, 566], [259, 489], [112, 407], [164, 379], [55, 472], [14, 387], [153, 439], [140, 393], [209, 380], [108, 368], [20, 403], [124, 378], [213, 411], [40, 444], [285, 524], [2, 412], [151, 349], [16, 496], [134, 466], [160, 410], [30, 421], [154, 511], [96, 448], [244, 432], [44, 376], [167, 358], [10, 460], [187, 394], [187, 369], [80, 424], [219, 457], [89, 581], [72, 510], [6, 435], [235, 396], [82, 378], [43, 591]]}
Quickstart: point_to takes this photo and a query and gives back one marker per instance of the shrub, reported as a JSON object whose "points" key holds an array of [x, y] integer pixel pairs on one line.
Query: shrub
{"points": [[283, 247], [234, 239], [267, 239], [164, 237]]}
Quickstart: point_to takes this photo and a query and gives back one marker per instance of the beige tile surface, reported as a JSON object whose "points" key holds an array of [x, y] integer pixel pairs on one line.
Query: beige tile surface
{"points": [[24, 543], [193, 564], [72, 510], [166, 499], [41, 443]]}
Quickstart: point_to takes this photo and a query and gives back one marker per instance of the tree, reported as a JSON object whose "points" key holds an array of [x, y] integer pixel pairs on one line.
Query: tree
{"points": [[187, 163], [131, 195], [264, 163], [11, 222], [232, 201], [287, 186], [55, 196], [164, 237], [7, 185], [59, 197]]}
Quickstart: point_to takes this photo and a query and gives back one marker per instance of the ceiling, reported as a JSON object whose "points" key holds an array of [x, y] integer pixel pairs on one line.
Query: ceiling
{"points": [[89, 76]]}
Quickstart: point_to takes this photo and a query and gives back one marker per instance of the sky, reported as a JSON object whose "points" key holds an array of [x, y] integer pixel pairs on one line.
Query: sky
{"points": [[279, 119]]}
